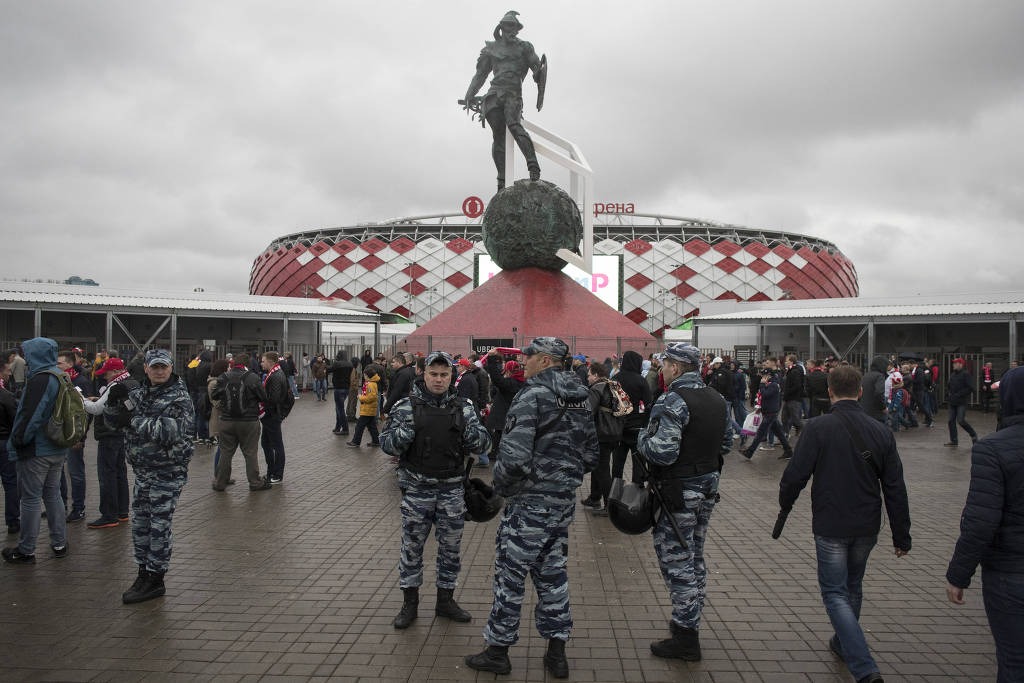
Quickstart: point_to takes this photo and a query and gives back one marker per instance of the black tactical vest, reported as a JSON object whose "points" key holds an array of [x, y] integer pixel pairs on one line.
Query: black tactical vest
{"points": [[702, 438], [437, 450]]}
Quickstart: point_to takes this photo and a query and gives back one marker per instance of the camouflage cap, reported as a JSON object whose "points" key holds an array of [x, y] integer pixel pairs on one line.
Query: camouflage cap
{"points": [[551, 346], [158, 357], [683, 353], [439, 357]]}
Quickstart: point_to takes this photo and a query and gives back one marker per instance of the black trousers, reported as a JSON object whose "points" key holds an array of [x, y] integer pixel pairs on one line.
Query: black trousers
{"points": [[601, 477], [272, 441]]}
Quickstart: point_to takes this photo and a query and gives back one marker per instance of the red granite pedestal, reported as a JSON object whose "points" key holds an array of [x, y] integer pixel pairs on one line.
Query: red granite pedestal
{"points": [[536, 302]]}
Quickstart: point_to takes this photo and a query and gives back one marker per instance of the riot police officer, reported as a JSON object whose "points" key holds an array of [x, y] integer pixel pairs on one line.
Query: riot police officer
{"points": [[683, 445], [549, 442], [430, 432]]}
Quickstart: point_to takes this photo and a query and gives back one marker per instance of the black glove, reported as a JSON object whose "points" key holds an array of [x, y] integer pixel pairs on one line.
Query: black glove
{"points": [[117, 392]]}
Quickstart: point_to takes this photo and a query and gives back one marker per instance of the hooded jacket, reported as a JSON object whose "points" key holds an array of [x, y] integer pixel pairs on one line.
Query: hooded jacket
{"points": [[401, 386], [368, 397], [28, 433], [873, 384], [636, 387], [992, 523], [793, 383], [546, 469], [341, 372]]}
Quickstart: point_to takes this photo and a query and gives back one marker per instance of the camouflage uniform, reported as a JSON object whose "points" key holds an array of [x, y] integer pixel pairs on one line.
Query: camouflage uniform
{"points": [[684, 570], [430, 501], [158, 444], [539, 476]]}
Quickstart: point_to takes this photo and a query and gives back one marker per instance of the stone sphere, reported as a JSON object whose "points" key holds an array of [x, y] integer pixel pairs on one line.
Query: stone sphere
{"points": [[525, 224]]}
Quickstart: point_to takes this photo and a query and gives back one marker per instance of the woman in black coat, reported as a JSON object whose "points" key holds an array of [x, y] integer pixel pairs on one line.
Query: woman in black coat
{"points": [[992, 530], [506, 381]]}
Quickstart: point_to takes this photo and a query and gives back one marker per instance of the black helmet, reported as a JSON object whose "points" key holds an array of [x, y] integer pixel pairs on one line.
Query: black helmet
{"points": [[631, 507], [482, 503]]}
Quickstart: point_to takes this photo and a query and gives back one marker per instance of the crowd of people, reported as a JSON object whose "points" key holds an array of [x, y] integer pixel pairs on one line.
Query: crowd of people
{"points": [[541, 419]]}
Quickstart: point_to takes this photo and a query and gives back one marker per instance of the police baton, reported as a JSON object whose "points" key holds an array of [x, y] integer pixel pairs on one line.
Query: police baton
{"points": [[780, 522], [665, 511]]}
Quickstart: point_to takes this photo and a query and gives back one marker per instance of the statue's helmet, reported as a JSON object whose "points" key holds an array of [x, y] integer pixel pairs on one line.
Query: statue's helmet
{"points": [[510, 21]]}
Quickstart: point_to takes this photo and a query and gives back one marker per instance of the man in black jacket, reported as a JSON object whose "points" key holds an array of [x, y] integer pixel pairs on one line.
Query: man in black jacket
{"points": [[507, 379], [240, 394], [793, 396], [276, 408], [8, 469], [817, 388], [958, 393], [111, 469], [639, 391], [872, 397], [992, 529], [341, 378], [846, 508], [403, 374]]}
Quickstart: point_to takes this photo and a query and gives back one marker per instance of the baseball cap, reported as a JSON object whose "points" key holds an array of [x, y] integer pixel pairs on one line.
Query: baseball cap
{"points": [[961, 361], [465, 362], [683, 353], [551, 346], [158, 357], [579, 356], [439, 357], [110, 364], [718, 359]]}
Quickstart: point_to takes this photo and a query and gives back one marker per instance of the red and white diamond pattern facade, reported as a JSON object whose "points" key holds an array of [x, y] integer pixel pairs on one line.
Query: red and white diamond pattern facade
{"points": [[419, 268]]}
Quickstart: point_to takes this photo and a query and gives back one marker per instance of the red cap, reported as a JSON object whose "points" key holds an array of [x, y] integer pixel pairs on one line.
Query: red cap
{"points": [[110, 364], [961, 361], [465, 362]]}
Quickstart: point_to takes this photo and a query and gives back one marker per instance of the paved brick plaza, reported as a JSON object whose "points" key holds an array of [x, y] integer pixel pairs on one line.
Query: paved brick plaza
{"points": [[300, 583]]}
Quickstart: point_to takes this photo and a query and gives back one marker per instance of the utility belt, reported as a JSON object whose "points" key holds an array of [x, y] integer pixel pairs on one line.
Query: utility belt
{"points": [[673, 490]]}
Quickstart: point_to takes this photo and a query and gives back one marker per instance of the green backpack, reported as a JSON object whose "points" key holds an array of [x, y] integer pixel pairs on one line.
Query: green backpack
{"points": [[68, 422]]}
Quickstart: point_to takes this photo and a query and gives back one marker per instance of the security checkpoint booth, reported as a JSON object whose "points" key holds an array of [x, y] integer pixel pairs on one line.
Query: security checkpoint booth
{"points": [[129, 321], [977, 327]]}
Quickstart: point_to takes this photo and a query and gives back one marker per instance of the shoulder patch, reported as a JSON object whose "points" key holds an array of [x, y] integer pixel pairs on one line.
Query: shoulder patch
{"points": [[652, 428], [510, 423]]}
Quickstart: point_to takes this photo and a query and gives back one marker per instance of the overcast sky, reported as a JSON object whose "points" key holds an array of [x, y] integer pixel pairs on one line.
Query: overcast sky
{"points": [[164, 145]]}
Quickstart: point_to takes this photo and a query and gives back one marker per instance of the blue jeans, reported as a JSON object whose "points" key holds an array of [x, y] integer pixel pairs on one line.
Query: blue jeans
{"points": [[841, 565], [1004, 604], [340, 419], [76, 473], [291, 385], [39, 479], [320, 388], [739, 414], [958, 414]]}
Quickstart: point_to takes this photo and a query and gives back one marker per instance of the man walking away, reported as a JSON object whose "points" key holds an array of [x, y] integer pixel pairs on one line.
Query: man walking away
{"points": [[770, 401], [958, 393], [849, 454], [992, 530], [873, 398], [39, 461], [817, 388], [639, 392], [793, 396], [403, 374]]}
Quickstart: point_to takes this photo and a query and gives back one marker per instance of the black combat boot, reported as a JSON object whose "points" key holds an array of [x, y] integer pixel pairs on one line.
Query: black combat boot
{"points": [[407, 614], [447, 607], [684, 644], [554, 659], [494, 658], [139, 580], [152, 586]]}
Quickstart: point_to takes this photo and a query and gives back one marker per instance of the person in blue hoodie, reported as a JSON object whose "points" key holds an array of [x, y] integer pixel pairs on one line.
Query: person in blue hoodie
{"points": [[992, 530], [40, 462]]}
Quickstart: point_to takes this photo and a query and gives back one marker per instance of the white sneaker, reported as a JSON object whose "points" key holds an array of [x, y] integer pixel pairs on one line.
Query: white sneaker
{"points": [[766, 447]]}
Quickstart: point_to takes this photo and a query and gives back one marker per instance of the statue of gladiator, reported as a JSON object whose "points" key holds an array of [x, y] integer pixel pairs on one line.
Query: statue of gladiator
{"points": [[509, 58]]}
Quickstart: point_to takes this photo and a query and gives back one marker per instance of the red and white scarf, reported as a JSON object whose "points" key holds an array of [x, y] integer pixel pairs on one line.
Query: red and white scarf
{"points": [[263, 408]]}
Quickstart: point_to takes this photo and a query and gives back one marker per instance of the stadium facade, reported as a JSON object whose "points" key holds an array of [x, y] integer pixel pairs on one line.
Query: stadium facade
{"points": [[666, 266]]}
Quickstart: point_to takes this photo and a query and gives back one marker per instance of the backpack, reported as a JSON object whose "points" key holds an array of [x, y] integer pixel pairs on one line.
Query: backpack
{"points": [[906, 398], [67, 424], [233, 403], [620, 399]]}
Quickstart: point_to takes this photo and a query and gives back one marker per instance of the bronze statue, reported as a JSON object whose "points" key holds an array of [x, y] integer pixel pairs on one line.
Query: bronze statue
{"points": [[502, 107]]}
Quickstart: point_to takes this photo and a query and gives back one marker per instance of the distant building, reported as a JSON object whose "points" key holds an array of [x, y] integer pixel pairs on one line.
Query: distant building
{"points": [[75, 280]]}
